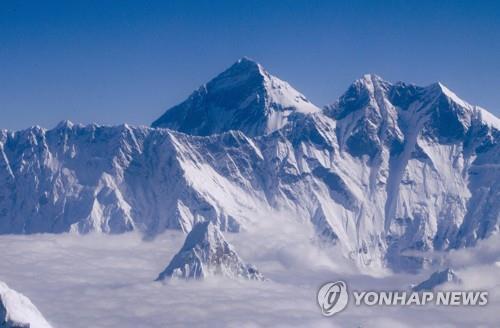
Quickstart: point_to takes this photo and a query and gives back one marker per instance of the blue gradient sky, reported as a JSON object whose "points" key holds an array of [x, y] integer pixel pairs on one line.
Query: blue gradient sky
{"points": [[127, 61]]}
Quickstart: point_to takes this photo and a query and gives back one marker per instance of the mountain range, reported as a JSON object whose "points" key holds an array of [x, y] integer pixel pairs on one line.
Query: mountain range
{"points": [[385, 171]]}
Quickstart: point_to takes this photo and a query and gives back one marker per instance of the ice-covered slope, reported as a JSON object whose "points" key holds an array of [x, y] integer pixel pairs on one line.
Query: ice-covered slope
{"points": [[17, 311], [387, 170], [245, 97], [206, 253]]}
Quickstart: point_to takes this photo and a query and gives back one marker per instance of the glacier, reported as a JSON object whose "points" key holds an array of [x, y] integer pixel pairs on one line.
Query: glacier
{"points": [[387, 172]]}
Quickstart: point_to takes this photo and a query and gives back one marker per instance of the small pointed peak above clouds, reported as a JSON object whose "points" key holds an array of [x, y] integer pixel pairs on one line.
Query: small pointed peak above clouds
{"points": [[207, 253]]}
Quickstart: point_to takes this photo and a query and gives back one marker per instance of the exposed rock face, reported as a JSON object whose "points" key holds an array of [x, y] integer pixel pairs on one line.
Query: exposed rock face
{"points": [[206, 253], [436, 279], [17, 311]]}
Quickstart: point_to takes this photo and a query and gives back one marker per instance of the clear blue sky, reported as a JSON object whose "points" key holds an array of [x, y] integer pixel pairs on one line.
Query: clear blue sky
{"points": [[127, 61]]}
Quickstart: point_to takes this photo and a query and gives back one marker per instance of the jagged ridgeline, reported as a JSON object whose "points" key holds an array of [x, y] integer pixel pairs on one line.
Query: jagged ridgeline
{"points": [[387, 168]]}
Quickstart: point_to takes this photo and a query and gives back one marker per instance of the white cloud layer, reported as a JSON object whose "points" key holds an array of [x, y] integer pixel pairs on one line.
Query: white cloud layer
{"points": [[107, 281]]}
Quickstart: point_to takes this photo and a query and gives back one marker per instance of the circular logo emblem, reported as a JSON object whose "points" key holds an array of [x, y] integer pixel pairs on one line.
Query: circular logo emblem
{"points": [[332, 297]]}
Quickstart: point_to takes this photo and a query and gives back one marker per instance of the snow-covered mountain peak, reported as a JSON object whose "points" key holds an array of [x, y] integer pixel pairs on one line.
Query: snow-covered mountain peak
{"points": [[244, 72], [447, 117], [248, 62], [205, 234], [17, 311], [64, 124], [206, 253], [244, 97], [364, 93], [371, 79], [372, 89], [451, 95], [373, 112], [366, 119]]}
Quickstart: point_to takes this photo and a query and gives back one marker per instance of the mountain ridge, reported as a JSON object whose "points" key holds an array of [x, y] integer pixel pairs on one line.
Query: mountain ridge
{"points": [[385, 170]]}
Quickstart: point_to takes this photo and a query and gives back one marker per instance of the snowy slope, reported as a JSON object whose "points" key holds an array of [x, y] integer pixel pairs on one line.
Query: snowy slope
{"points": [[206, 253], [421, 156], [17, 311], [387, 170], [245, 97]]}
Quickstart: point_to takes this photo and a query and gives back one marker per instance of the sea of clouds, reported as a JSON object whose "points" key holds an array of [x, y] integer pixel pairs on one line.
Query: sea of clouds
{"points": [[108, 281]]}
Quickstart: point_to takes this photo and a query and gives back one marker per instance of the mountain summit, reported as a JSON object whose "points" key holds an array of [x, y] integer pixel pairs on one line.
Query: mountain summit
{"points": [[205, 253], [245, 97]]}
